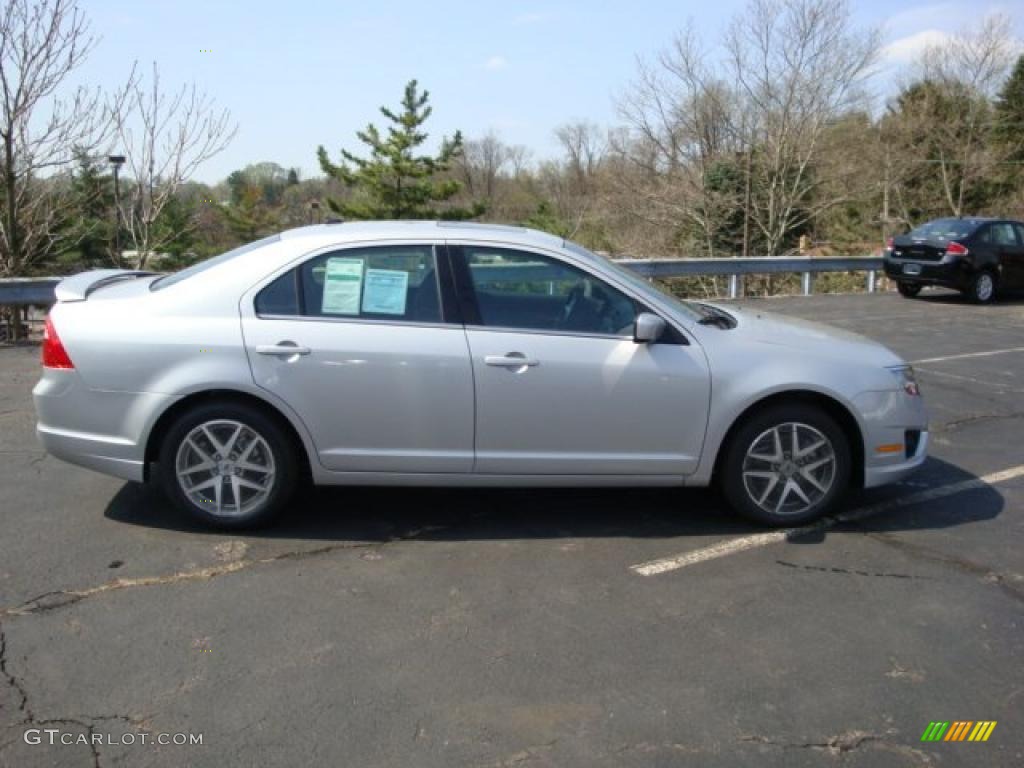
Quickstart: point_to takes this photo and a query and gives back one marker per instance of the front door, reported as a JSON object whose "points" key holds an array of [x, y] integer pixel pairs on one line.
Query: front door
{"points": [[561, 387], [355, 341]]}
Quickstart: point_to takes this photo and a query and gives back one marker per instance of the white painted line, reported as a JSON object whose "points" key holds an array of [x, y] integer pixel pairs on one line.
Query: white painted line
{"points": [[968, 354], [743, 543]]}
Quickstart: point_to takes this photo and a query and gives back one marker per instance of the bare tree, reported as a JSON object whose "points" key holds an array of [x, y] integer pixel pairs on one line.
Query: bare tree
{"points": [[482, 162], [585, 146], [682, 135], [165, 138], [41, 44], [797, 65], [945, 120]]}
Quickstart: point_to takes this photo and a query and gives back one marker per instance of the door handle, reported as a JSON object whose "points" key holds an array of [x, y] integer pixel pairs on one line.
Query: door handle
{"points": [[511, 360], [282, 349]]}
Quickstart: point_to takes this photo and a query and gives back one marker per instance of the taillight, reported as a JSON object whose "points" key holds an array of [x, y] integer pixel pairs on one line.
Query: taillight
{"points": [[54, 354], [955, 249], [889, 244]]}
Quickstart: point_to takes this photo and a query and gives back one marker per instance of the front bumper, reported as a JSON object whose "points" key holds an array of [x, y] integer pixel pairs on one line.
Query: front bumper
{"points": [[891, 473], [889, 418]]}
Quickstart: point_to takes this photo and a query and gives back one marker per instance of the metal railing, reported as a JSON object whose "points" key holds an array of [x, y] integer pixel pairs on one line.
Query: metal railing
{"points": [[22, 291]]}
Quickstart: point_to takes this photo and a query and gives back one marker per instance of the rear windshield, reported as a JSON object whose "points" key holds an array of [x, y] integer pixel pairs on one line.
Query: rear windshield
{"points": [[168, 280], [945, 229]]}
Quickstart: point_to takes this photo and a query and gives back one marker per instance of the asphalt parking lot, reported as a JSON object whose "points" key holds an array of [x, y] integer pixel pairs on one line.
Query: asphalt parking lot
{"points": [[408, 627]]}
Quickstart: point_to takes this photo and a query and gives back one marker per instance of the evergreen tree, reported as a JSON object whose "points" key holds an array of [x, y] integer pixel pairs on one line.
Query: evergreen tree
{"points": [[1009, 128], [90, 227], [395, 182]]}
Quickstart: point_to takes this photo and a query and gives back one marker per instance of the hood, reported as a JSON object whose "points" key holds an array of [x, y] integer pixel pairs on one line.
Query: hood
{"points": [[821, 339]]}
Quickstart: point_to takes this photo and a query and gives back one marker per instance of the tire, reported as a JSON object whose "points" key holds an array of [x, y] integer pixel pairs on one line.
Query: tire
{"points": [[908, 290], [263, 459], [745, 479], [982, 288]]}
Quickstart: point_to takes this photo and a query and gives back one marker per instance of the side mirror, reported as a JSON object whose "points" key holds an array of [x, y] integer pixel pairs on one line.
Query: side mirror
{"points": [[649, 328]]}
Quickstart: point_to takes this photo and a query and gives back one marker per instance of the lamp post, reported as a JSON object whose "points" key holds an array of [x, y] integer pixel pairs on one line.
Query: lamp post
{"points": [[116, 161]]}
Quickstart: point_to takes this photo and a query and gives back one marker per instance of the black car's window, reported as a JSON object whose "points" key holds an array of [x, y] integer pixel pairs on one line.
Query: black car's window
{"points": [[999, 235], [381, 283], [944, 229], [515, 289], [1019, 229]]}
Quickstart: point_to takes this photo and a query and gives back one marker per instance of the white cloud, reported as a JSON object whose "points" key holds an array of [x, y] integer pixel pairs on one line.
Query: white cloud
{"points": [[496, 63], [906, 50]]}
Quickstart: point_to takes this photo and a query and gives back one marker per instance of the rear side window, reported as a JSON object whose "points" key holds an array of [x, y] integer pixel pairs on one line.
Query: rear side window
{"points": [[381, 283], [999, 234]]}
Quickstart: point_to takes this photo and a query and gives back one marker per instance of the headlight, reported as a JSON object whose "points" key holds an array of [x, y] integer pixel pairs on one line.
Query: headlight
{"points": [[906, 380]]}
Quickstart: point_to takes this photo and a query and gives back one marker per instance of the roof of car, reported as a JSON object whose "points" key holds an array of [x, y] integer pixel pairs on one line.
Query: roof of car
{"points": [[456, 230]]}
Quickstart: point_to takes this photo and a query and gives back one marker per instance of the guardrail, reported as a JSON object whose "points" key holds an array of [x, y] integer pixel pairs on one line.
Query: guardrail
{"points": [[806, 266], [22, 291]]}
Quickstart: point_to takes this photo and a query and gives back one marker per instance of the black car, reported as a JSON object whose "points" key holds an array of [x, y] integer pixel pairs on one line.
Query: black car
{"points": [[974, 255]]}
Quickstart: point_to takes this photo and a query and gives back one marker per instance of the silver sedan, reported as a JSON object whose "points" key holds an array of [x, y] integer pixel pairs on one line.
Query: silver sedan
{"points": [[424, 353]]}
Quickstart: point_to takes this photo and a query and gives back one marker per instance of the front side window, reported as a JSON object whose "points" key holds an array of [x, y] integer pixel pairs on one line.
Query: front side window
{"points": [[515, 289], [382, 283]]}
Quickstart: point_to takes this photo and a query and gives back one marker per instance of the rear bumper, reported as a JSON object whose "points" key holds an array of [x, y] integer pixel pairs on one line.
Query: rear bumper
{"points": [[100, 430], [950, 273], [101, 453]]}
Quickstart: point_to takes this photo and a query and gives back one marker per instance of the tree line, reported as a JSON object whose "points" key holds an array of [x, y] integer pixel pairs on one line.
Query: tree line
{"points": [[737, 146]]}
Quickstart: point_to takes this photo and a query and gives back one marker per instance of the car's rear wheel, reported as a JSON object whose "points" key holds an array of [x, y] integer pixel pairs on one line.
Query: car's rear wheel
{"points": [[982, 288], [909, 290], [228, 465], [786, 465]]}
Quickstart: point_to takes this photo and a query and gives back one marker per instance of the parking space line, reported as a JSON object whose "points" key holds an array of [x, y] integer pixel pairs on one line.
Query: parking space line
{"points": [[743, 543], [968, 354]]}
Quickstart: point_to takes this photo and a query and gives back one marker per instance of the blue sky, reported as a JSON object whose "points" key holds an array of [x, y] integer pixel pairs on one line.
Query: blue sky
{"points": [[308, 72]]}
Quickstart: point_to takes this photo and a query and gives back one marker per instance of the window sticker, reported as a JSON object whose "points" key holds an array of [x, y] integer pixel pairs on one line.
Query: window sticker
{"points": [[386, 291], [343, 283]]}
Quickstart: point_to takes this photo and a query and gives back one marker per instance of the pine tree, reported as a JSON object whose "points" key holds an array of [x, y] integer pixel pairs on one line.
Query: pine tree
{"points": [[395, 182], [90, 225], [1009, 128]]}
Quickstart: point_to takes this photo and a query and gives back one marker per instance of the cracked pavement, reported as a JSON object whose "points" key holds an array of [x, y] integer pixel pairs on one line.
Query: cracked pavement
{"points": [[428, 627]]}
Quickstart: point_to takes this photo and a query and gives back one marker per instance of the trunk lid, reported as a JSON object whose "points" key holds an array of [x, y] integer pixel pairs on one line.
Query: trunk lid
{"points": [[918, 248]]}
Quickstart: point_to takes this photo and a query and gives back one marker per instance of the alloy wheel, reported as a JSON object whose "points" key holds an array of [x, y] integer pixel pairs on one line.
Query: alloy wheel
{"points": [[225, 467], [789, 468]]}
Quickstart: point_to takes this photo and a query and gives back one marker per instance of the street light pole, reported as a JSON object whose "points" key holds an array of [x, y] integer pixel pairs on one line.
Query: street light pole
{"points": [[116, 161]]}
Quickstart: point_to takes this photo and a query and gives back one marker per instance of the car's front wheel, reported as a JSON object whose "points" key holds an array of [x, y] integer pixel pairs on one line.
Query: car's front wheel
{"points": [[909, 290], [786, 465], [228, 465]]}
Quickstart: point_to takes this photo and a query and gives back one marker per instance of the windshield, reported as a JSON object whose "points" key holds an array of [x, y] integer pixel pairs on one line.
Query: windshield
{"points": [[641, 284], [168, 280], [944, 229]]}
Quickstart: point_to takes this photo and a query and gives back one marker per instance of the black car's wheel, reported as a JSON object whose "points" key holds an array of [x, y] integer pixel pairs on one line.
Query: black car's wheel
{"points": [[910, 290], [228, 465], [982, 288], [786, 465]]}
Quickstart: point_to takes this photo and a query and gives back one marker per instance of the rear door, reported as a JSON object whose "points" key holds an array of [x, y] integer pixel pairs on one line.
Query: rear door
{"points": [[358, 343], [1014, 266], [561, 387]]}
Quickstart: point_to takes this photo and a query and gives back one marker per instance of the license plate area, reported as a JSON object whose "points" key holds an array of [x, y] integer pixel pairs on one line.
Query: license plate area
{"points": [[911, 269]]}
